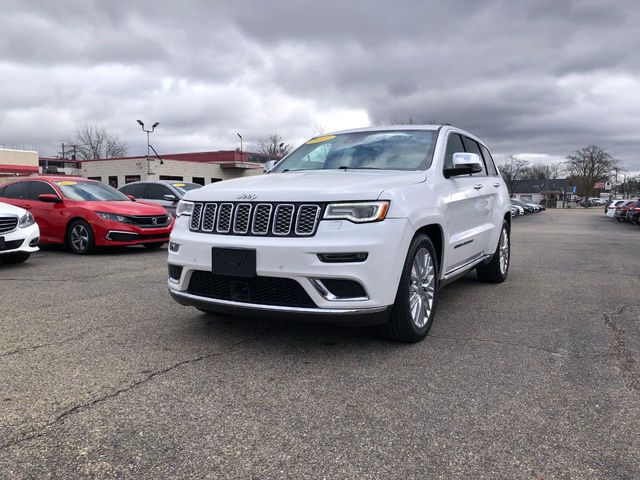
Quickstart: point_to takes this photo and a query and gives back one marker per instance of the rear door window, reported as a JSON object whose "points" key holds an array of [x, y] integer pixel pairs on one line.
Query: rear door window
{"points": [[138, 190], [16, 190], [488, 161]]}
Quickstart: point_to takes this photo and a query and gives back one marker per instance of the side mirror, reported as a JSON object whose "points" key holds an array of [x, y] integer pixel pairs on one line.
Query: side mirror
{"points": [[464, 164], [268, 166], [49, 198], [170, 198], [132, 198]]}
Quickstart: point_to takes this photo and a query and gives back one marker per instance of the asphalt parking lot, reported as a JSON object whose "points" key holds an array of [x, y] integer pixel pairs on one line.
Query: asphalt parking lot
{"points": [[103, 375]]}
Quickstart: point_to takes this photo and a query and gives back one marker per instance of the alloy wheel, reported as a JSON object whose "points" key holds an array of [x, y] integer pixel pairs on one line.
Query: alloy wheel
{"points": [[422, 288], [504, 251], [79, 237]]}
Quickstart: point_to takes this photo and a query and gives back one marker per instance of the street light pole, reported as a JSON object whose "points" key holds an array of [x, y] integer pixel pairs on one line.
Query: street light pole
{"points": [[153, 127], [240, 136]]}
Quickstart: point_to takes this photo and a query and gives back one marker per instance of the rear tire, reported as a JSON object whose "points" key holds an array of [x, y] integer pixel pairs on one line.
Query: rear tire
{"points": [[80, 238], [497, 269], [415, 306], [16, 257], [153, 246]]}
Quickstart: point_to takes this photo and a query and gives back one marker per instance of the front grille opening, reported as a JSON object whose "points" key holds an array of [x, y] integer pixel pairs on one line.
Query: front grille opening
{"points": [[34, 242], [175, 271], [275, 291], [11, 244], [8, 224], [343, 257], [247, 218], [340, 289]]}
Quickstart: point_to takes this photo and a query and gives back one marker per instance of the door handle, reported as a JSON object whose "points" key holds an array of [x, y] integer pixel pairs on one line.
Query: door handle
{"points": [[477, 186], [497, 184]]}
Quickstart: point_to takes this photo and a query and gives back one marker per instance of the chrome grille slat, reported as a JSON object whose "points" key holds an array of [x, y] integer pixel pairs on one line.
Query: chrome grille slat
{"points": [[283, 219], [7, 224], [209, 218], [306, 219], [242, 218], [259, 219], [196, 216], [223, 225]]}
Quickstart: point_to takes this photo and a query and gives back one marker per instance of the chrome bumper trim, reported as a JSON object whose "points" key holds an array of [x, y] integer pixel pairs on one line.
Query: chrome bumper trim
{"points": [[276, 308]]}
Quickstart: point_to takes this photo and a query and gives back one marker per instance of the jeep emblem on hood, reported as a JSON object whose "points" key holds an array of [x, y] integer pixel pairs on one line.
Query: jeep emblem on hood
{"points": [[247, 196]]}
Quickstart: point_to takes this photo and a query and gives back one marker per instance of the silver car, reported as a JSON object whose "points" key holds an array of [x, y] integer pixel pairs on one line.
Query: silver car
{"points": [[163, 192]]}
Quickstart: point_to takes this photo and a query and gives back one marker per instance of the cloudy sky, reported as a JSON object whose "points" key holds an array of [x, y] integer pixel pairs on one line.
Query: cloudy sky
{"points": [[535, 78]]}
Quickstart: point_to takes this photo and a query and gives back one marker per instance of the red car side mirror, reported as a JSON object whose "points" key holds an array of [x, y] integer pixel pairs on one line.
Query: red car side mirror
{"points": [[132, 198], [49, 198]]}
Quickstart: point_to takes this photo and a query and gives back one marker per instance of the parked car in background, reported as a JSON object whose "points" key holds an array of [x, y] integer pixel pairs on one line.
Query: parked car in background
{"points": [[635, 214], [610, 210], [83, 213], [526, 207], [621, 211], [19, 234], [631, 210], [163, 192]]}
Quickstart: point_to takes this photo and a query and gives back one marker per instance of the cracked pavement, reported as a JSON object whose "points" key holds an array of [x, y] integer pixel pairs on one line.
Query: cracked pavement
{"points": [[103, 376]]}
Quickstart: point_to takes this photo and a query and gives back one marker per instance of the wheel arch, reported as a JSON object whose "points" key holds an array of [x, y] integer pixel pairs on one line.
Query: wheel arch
{"points": [[436, 234], [67, 227]]}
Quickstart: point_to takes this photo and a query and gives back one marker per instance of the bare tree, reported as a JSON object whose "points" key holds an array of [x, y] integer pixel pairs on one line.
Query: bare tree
{"points": [[273, 146], [95, 143], [589, 165], [512, 170]]}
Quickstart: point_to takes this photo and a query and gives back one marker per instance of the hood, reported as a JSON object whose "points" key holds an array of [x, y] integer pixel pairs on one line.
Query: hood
{"points": [[308, 185], [124, 208], [5, 208]]}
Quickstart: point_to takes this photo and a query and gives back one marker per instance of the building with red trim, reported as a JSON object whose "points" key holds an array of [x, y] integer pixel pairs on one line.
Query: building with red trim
{"points": [[197, 167], [17, 163]]}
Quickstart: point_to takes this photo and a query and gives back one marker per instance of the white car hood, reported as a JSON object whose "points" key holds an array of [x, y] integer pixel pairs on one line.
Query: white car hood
{"points": [[5, 209], [308, 186]]}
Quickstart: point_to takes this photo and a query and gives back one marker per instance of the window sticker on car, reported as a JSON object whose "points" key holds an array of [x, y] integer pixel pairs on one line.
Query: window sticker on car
{"points": [[320, 139], [66, 183], [179, 185]]}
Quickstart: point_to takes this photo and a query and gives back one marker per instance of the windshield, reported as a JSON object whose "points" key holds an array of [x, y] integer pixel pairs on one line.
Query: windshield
{"points": [[185, 187], [89, 191], [381, 150]]}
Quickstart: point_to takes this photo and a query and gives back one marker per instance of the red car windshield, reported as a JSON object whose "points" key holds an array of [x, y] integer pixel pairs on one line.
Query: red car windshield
{"points": [[89, 191]]}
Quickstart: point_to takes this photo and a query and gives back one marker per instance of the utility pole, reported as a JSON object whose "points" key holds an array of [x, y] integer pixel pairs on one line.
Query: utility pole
{"points": [[153, 127], [240, 136]]}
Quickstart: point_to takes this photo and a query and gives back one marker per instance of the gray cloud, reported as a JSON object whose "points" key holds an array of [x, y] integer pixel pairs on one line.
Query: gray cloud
{"points": [[538, 77]]}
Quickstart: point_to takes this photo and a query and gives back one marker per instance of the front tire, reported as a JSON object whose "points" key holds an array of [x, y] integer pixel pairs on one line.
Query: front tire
{"points": [[80, 238], [415, 306], [497, 269], [16, 257]]}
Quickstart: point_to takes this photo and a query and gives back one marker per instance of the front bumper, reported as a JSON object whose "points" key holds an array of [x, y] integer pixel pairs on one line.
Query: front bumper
{"points": [[21, 240], [110, 233], [296, 258]]}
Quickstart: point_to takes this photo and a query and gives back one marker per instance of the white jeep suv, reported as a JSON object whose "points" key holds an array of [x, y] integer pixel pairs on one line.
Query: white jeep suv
{"points": [[362, 226]]}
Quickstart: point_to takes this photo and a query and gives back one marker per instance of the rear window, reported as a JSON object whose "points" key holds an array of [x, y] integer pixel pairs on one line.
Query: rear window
{"points": [[16, 190]]}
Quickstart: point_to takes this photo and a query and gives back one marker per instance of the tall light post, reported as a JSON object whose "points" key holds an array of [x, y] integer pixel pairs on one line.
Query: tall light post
{"points": [[240, 137], [153, 127]]}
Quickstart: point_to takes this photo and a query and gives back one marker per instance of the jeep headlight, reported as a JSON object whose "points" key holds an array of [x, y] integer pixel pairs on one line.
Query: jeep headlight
{"points": [[184, 208], [358, 212], [27, 220]]}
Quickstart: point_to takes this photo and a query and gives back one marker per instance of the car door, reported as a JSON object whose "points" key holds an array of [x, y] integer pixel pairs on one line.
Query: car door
{"points": [[48, 215], [465, 213]]}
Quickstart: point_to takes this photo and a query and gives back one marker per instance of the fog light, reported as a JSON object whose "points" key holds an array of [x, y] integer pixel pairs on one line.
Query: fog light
{"points": [[174, 247]]}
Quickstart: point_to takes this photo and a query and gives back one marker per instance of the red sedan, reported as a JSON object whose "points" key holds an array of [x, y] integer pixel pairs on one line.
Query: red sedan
{"points": [[84, 213]]}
